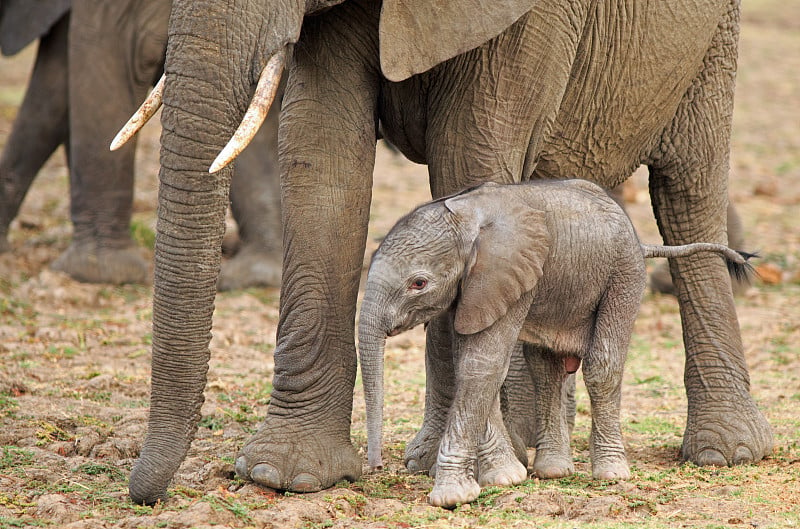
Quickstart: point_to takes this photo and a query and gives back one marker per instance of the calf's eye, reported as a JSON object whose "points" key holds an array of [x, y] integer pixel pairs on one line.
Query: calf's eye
{"points": [[419, 283]]}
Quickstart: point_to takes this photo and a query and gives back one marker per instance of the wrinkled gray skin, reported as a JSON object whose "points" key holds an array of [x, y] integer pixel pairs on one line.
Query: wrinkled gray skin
{"points": [[518, 91], [556, 265], [94, 65]]}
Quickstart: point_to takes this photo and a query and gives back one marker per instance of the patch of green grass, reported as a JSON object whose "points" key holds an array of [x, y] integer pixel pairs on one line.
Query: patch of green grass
{"points": [[212, 423], [653, 426], [49, 432], [96, 469], [61, 352], [15, 311], [143, 234], [8, 405], [9, 522], [13, 457]]}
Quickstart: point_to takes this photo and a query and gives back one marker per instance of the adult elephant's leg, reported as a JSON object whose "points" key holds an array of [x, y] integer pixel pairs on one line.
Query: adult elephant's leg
{"points": [[661, 279], [39, 128], [256, 207], [688, 184], [327, 153], [111, 67]]}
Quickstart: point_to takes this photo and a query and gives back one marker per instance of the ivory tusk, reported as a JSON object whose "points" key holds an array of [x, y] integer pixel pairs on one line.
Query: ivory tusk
{"points": [[256, 113], [142, 116]]}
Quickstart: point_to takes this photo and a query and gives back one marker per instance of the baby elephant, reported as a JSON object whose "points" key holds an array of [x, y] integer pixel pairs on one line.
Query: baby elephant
{"points": [[555, 264]]}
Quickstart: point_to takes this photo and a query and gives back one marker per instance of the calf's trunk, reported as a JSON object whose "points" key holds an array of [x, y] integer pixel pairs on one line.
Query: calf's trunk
{"points": [[371, 346]]}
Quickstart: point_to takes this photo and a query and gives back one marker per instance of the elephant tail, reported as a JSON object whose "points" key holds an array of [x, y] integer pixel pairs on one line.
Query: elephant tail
{"points": [[738, 262]]}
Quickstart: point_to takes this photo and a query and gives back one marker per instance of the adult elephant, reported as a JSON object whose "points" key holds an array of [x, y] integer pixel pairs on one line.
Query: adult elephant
{"points": [[478, 91], [94, 65]]}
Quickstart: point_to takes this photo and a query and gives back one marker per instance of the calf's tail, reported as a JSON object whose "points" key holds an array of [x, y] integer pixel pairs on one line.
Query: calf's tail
{"points": [[737, 261]]}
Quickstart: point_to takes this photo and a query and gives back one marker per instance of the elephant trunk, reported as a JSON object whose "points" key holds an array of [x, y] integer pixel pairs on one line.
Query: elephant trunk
{"points": [[207, 89], [371, 345]]}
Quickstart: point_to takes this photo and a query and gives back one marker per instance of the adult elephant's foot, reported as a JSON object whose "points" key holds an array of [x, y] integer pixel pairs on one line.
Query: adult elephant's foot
{"points": [[453, 490], [422, 451], [252, 266], [611, 468], [550, 464], [724, 433], [310, 462], [92, 262]]}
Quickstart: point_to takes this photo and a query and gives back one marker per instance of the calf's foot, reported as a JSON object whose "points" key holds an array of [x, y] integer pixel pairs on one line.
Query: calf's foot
{"points": [[549, 464], [611, 468], [422, 451], [452, 490]]}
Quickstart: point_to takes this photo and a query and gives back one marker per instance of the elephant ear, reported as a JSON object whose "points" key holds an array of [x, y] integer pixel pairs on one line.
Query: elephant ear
{"points": [[23, 21], [510, 244], [416, 35]]}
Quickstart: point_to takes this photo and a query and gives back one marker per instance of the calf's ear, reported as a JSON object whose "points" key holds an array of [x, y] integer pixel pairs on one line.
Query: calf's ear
{"points": [[510, 244], [416, 35]]}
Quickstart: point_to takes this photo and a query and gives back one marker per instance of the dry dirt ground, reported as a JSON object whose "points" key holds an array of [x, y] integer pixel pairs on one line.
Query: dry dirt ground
{"points": [[74, 364]]}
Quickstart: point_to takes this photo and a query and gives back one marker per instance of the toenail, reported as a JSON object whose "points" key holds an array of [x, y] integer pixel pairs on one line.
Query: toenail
{"points": [[266, 475], [711, 457], [241, 468], [305, 482]]}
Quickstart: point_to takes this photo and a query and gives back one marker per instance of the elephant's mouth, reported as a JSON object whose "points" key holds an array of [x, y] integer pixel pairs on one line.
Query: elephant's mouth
{"points": [[395, 331]]}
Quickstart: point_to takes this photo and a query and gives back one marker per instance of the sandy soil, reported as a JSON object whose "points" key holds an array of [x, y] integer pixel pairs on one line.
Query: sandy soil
{"points": [[74, 363]]}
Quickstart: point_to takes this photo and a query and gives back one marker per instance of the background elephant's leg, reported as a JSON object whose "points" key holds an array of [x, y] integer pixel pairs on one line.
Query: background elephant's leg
{"points": [[256, 206], [327, 142], [517, 400], [553, 457], [440, 387], [112, 61], [40, 127], [688, 181]]}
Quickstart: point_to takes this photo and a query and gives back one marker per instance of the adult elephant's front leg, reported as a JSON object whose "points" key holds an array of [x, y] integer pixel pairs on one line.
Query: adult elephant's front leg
{"points": [[689, 190], [327, 140]]}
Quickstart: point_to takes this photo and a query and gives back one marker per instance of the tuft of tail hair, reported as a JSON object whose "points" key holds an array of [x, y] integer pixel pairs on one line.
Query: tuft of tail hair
{"points": [[742, 271]]}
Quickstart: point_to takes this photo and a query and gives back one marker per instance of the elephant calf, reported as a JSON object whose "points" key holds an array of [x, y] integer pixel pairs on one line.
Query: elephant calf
{"points": [[554, 264]]}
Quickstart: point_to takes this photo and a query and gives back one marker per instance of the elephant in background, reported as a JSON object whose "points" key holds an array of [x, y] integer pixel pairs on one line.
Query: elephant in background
{"points": [[479, 92], [94, 65], [555, 264]]}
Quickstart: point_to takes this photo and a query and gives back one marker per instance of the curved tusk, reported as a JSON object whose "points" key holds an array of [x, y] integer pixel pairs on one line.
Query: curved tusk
{"points": [[142, 116], [256, 113]]}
